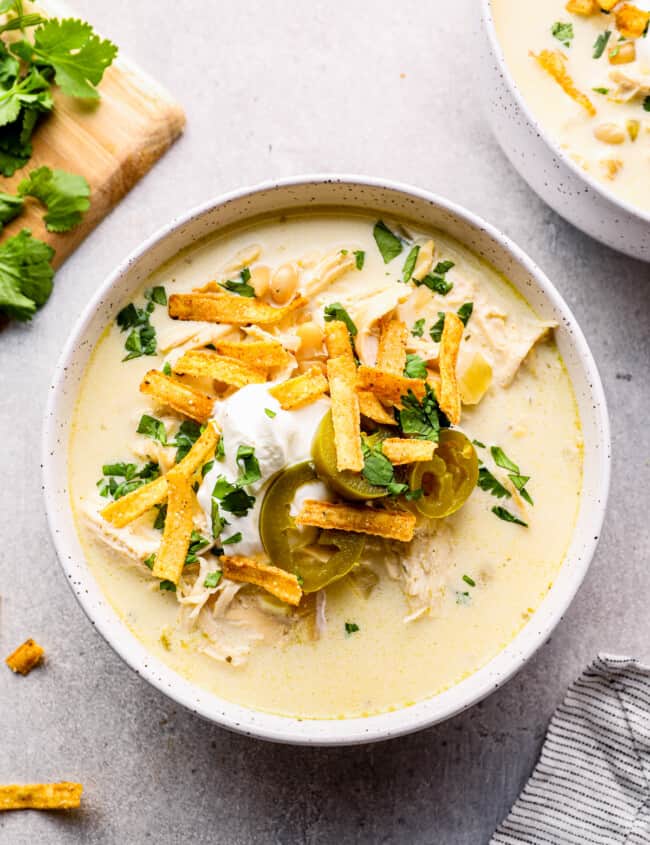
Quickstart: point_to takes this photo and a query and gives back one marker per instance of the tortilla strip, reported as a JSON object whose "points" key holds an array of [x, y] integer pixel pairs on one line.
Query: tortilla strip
{"points": [[631, 22], [25, 657], [401, 450], [552, 61], [182, 398], [229, 308], [257, 353], [372, 408], [582, 7], [389, 387], [393, 525], [170, 558], [346, 415], [205, 362], [300, 390], [40, 796], [607, 5], [452, 334], [123, 511], [337, 339], [391, 354], [280, 583]]}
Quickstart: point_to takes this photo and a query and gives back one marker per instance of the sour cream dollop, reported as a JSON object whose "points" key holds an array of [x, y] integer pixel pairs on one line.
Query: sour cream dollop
{"points": [[252, 417]]}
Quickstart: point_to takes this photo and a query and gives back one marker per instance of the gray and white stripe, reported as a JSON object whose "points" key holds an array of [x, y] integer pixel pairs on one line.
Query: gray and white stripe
{"points": [[591, 785]]}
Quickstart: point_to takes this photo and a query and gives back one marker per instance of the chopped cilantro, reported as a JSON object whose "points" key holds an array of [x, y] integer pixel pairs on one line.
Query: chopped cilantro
{"points": [[269, 413], [168, 586], [421, 419], [351, 628], [220, 452], [389, 244], [514, 474], [335, 311], [600, 43], [122, 478], [415, 367], [153, 428], [418, 328], [234, 538], [377, 469], [167, 368], [65, 195], [468, 580], [157, 294], [487, 482], [443, 267], [212, 579], [409, 264], [232, 498], [436, 329], [563, 32], [646, 103], [149, 561], [506, 516], [465, 312], [161, 515], [141, 340], [186, 436], [241, 287], [601, 90], [360, 258], [249, 468], [479, 444], [438, 284], [197, 543], [414, 495]]}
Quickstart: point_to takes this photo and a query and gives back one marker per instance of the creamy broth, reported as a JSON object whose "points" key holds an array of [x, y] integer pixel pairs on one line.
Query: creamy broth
{"points": [[412, 641], [612, 145]]}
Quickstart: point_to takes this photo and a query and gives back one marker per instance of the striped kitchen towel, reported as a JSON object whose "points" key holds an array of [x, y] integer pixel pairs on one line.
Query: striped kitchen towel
{"points": [[591, 785]]}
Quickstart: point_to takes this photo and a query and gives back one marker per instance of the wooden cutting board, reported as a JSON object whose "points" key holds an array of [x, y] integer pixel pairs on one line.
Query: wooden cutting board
{"points": [[112, 142]]}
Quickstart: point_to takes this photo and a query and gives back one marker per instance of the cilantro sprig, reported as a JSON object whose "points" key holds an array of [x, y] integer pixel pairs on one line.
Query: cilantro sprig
{"points": [[377, 469], [25, 275], [122, 478], [388, 244], [421, 419], [141, 339]]}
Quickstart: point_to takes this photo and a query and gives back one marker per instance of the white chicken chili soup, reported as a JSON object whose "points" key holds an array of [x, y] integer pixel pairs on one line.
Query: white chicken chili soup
{"points": [[583, 66], [265, 571]]}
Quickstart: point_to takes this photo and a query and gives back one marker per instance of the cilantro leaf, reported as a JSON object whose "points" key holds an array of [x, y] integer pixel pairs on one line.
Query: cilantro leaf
{"points": [[415, 367], [197, 543], [234, 538], [409, 264], [157, 294], [469, 580], [646, 103], [270, 413], [502, 460], [161, 516], [249, 468], [186, 436], [600, 43], [487, 482], [437, 284], [506, 516], [241, 287], [232, 498], [76, 54], [131, 477], [335, 311], [165, 584], [10, 207], [421, 419], [31, 92], [359, 258], [418, 328], [351, 628], [465, 312], [141, 340], [65, 195], [389, 245], [153, 428], [25, 275], [377, 469], [212, 579], [436, 329], [563, 32]]}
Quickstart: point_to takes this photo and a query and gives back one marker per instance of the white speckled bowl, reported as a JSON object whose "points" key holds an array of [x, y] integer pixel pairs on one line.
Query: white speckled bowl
{"points": [[550, 172], [388, 199]]}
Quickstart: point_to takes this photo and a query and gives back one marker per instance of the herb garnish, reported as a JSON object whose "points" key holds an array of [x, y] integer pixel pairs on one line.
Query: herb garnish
{"points": [[487, 482], [359, 258], [241, 286], [141, 340], [506, 516], [465, 312], [479, 444], [186, 436], [646, 103], [351, 627], [153, 428], [65, 195], [421, 419], [167, 368], [436, 329], [468, 580], [437, 279], [232, 498], [197, 543], [418, 328], [415, 367], [161, 516], [234, 538], [335, 311], [25, 274], [600, 43], [212, 579], [563, 32], [131, 477], [601, 90], [377, 469], [409, 264], [389, 244], [168, 585], [519, 480], [270, 414], [249, 468]]}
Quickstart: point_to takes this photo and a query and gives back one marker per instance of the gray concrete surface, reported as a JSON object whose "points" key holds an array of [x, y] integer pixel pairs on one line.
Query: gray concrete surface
{"points": [[276, 89]]}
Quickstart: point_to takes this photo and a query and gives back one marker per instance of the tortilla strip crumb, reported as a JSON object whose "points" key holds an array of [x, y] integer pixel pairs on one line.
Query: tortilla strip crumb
{"points": [[182, 398], [372, 408], [25, 657], [280, 583], [346, 415], [389, 387], [205, 362], [300, 390], [582, 7], [452, 334], [40, 796], [401, 450], [552, 61], [263, 354], [337, 339], [229, 308], [393, 525], [170, 558], [391, 354], [607, 5], [631, 22], [124, 510]]}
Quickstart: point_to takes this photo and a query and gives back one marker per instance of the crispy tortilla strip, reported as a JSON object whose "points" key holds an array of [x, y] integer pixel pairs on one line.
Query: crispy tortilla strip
{"points": [[40, 796], [631, 21], [391, 355], [182, 398], [300, 390], [281, 584], [346, 415], [25, 657], [205, 362], [337, 339], [170, 558], [552, 62], [452, 334], [401, 450], [607, 5], [582, 7], [263, 354], [393, 525], [387, 386], [229, 308], [372, 408], [123, 511]]}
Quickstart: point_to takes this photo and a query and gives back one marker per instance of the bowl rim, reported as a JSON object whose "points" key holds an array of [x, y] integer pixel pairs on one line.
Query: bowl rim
{"points": [[540, 129], [323, 732]]}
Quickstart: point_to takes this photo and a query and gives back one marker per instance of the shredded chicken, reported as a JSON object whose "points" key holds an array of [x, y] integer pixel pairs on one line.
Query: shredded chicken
{"points": [[629, 88], [133, 542]]}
